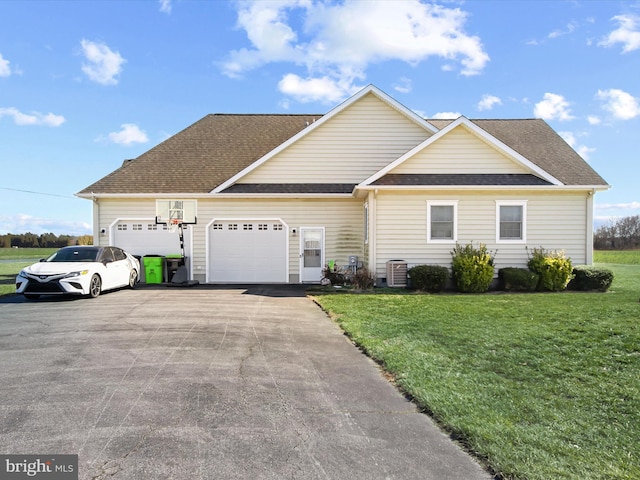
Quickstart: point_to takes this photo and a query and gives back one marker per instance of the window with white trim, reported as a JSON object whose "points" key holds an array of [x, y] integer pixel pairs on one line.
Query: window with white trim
{"points": [[511, 221], [442, 221]]}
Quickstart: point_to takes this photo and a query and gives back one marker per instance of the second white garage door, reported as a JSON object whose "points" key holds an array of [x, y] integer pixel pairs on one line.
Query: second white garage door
{"points": [[245, 251]]}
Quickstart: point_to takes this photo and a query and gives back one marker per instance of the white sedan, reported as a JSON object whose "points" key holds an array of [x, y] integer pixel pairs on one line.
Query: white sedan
{"points": [[80, 270]]}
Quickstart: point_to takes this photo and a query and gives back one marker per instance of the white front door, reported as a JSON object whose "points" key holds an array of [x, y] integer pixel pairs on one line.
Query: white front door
{"points": [[311, 254]]}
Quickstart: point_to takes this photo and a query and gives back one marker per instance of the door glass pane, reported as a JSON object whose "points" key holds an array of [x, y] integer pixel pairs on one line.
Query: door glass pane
{"points": [[312, 258], [312, 248]]}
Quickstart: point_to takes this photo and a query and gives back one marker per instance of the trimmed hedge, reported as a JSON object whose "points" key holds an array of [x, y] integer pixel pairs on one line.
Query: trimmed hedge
{"points": [[554, 268], [429, 278], [587, 278], [472, 268], [518, 279]]}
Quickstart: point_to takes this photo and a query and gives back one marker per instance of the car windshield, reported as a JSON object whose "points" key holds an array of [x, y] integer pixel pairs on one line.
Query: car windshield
{"points": [[75, 255]]}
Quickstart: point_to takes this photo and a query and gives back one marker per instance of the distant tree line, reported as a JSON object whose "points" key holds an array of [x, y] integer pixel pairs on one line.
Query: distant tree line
{"points": [[44, 240], [621, 234]]}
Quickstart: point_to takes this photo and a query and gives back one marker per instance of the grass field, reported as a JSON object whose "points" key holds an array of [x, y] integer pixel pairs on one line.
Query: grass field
{"points": [[536, 386], [620, 257], [12, 260]]}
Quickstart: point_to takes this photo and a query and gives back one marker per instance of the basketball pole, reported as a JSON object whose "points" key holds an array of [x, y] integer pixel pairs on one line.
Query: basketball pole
{"points": [[181, 233]]}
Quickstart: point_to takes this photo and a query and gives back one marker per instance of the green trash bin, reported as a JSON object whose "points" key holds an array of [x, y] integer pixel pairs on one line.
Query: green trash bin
{"points": [[153, 268]]}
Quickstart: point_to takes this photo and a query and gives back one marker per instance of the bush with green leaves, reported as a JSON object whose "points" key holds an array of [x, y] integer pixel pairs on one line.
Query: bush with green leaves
{"points": [[586, 278], [429, 278], [518, 279], [555, 270], [472, 268]]}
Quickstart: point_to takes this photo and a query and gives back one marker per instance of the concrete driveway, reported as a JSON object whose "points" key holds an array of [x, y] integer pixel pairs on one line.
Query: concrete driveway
{"points": [[204, 383]]}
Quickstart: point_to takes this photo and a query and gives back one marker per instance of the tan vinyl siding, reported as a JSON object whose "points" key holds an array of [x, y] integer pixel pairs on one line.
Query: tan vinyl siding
{"points": [[460, 151], [555, 221], [343, 220], [356, 143], [111, 210]]}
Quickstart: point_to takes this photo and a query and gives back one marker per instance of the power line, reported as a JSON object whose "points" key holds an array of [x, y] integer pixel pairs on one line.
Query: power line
{"points": [[36, 193]]}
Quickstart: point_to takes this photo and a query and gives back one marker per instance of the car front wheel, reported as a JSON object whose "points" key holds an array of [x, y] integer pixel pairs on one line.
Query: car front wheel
{"points": [[133, 276], [95, 287]]}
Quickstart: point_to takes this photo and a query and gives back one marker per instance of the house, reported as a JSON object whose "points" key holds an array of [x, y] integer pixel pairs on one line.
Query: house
{"points": [[273, 198]]}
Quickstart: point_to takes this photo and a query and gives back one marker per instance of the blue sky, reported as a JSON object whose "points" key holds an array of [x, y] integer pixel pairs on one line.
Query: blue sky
{"points": [[87, 84]]}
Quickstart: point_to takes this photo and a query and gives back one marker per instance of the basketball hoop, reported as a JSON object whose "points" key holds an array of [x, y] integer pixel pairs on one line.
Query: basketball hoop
{"points": [[173, 225]]}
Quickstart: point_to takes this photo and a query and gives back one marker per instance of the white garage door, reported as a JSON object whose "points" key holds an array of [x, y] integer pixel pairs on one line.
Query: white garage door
{"points": [[146, 238], [246, 251]]}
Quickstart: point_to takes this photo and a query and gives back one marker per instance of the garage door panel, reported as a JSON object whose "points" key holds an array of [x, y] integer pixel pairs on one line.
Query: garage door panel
{"points": [[147, 238], [248, 252]]}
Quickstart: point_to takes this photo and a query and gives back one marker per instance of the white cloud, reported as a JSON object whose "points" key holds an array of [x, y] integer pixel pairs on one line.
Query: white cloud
{"points": [[559, 33], [404, 85], [322, 89], [488, 102], [5, 69], [627, 33], [446, 115], [22, 223], [104, 65], [553, 107], [33, 118], [129, 135], [618, 206], [619, 103], [572, 140], [165, 6], [594, 120], [338, 41]]}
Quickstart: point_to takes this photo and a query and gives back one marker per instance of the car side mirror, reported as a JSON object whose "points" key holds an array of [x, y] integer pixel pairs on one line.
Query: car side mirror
{"points": [[43, 260]]}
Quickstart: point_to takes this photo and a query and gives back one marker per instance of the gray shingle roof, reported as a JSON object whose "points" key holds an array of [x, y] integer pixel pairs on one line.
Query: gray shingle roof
{"points": [[202, 156], [217, 147], [290, 188], [504, 179]]}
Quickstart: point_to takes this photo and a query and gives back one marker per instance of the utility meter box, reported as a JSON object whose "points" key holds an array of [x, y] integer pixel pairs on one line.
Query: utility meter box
{"points": [[353, 260]]}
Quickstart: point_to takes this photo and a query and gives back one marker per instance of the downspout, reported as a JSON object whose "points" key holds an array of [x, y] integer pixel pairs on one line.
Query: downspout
{"points": [[96, 219], [589, 243], [373, 222]]}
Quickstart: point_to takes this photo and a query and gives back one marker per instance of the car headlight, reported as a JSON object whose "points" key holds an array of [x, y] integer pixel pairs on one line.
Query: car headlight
{"points": [[76, 274], [22, 274]]}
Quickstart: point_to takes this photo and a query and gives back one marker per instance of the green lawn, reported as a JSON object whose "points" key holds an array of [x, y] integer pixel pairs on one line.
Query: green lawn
{"points": [[622, 257], [536, 386], [12, 260]]}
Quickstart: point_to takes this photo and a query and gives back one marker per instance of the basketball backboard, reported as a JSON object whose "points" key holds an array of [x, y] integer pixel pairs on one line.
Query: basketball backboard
{"points": [[176, 211]]}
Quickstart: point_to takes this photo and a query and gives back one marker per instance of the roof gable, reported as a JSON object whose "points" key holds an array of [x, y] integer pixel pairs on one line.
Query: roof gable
{"points": [[461, 151], [536, 141], [532, 137], [364, 135]]}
